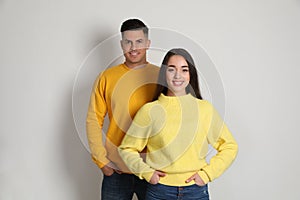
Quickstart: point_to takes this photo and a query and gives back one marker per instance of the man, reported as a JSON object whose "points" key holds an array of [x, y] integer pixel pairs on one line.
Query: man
{"points": [[120, 91]]}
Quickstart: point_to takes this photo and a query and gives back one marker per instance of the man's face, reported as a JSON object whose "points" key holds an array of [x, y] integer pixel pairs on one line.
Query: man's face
{"points": [[134, 44]]}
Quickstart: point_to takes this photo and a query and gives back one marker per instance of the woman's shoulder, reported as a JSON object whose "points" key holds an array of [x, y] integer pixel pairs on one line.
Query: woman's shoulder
{"points": [[205, 104], [150, 104], [147, 106]]}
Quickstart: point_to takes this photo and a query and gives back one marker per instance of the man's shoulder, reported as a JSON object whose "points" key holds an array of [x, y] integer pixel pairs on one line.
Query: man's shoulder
{"points": [[154, 67], [112, 69]]}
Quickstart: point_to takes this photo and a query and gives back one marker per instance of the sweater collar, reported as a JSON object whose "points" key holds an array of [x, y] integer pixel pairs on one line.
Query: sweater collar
{"points": [[174, 99], [137, 67]]}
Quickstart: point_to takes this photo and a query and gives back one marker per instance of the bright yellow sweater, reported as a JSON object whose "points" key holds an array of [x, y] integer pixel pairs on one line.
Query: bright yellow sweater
{"points": [[177, 132], [119, 92]]}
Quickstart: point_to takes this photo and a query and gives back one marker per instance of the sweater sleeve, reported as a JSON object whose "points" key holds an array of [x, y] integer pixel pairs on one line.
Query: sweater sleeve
{"points": [[134, 143], [94, 122], [222, 140]]}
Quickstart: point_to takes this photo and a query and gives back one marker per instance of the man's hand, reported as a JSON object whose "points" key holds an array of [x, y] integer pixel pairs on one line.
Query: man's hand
{"points": [[198, 180], [156, 176], [107, 171]]}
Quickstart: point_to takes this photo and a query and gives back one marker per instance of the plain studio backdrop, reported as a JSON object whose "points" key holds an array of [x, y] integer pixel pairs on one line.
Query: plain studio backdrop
{"points": [[254, 46]]}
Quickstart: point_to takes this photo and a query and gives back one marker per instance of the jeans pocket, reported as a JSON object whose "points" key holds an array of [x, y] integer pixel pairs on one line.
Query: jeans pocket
{"points": [[201, 192]]}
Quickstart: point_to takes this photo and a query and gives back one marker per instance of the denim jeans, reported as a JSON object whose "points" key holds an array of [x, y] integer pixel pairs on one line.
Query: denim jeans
{"points": [[122, 187], [164, 192]]}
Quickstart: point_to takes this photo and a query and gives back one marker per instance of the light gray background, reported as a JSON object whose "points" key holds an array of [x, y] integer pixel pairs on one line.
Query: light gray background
{"points": [[254, 45]]}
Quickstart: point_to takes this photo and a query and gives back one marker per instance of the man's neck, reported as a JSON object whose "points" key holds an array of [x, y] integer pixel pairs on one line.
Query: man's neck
{"points": [[135, 66]]}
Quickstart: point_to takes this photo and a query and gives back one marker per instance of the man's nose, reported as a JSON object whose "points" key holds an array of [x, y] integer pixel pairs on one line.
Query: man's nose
{"points": [[133, 46]]}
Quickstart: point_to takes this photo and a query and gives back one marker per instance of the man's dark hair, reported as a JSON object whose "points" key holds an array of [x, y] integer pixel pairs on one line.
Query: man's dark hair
{"points": [[134, 24]]}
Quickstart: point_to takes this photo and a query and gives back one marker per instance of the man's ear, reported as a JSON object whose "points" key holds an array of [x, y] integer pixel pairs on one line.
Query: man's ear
{"points": [[121, 43], [148, 44]]}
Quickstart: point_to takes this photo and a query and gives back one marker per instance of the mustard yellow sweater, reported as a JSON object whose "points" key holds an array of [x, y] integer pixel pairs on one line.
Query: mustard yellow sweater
{"points": [[118, 92], [177, 132]]}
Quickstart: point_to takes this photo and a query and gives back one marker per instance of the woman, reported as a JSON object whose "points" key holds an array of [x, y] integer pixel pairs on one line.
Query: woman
{"points": [[176, 128]]}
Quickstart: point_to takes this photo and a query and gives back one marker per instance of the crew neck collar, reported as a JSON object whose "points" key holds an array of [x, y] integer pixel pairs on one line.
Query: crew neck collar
{"points": [[174, 99], [136, 67]]}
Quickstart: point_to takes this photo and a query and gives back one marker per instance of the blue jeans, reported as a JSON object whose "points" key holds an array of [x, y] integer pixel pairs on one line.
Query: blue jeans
{"points": [[164, 192], [122, 187]]}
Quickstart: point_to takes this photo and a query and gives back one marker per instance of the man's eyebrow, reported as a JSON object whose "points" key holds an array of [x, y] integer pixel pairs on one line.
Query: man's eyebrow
{"points": [[132, 40]]}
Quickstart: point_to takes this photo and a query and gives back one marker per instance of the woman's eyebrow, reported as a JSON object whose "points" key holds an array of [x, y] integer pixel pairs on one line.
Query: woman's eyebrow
{"points": [[184, 66]]}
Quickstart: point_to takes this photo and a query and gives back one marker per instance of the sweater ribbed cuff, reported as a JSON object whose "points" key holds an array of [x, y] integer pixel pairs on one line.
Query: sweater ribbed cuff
{"points": [[100, 164], [147, 176]]}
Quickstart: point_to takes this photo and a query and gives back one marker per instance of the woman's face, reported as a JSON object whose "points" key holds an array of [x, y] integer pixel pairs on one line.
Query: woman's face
{"points": [[177, 75]]}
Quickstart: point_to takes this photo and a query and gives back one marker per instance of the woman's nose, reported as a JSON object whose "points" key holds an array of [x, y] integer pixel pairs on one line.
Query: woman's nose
{"points": [[177, 74]]}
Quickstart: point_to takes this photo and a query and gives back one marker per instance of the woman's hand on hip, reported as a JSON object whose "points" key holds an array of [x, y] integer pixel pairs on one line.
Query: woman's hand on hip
{"points": [[198, 180], [156, 177]]}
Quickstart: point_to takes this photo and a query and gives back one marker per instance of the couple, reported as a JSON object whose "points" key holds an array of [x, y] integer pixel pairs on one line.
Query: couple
{"points": [[159, 126]]}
